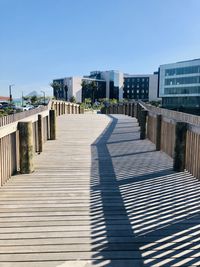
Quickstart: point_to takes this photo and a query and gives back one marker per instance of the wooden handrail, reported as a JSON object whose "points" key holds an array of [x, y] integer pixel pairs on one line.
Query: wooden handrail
{"points": [[11, 159]]}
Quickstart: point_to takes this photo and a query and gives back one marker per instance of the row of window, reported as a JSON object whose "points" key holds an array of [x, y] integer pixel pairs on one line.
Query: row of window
{"points": [[137, 86], [130, 96], [183, 70], [136, 80], [182, 90], [181, 101], [137, 91], [182, 80]]}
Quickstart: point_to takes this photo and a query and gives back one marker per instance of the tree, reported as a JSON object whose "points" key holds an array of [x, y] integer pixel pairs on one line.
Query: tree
{"points": [[72, 99], [56, 87], [89, 86], [34, 99]]}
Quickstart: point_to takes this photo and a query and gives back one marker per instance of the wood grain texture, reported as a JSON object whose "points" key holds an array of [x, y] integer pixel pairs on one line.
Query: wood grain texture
{"points": [[100, 197]]}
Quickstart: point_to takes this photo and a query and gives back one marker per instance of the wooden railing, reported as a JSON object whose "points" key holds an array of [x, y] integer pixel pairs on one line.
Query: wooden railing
{"points": [[175, 133], [21, 115], [11, 156]]}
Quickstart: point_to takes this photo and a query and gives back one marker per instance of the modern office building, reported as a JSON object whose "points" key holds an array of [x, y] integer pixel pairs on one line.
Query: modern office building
{"points": [[179, 85], [141, 87], [97, 85], [110, 84]]}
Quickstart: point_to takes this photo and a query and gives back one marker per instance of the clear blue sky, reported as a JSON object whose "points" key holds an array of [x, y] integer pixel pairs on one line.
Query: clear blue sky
{"points": [[45, 39]]}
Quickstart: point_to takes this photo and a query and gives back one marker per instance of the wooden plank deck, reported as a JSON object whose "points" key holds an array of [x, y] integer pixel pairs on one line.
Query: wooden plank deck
{"points": [[100, 197]]}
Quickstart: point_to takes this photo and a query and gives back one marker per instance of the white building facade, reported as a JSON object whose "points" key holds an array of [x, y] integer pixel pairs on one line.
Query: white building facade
{"points": [[179, 84]]}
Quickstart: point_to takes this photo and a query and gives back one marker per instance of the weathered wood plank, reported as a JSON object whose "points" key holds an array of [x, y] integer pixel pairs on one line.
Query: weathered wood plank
{"points": [[100, 197]]}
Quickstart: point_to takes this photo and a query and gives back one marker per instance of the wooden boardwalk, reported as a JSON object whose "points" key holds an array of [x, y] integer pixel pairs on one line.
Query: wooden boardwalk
{"points": [[100, 197]]}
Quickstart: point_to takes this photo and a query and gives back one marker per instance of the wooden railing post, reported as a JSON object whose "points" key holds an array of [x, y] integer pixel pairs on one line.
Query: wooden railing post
{"points": [[117, 108], [40, 133], [107, 110], [133, 110], [120, 108], [129, 109], [124, 109], [158, 131], [26, 147], [139, 109], [143, 120], [180, 146], [52, 118], [63, 108], [136, 110]]}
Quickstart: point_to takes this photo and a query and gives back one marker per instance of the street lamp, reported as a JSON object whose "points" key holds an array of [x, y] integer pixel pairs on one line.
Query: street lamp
{"points": [[44, 96], [10, 92]]}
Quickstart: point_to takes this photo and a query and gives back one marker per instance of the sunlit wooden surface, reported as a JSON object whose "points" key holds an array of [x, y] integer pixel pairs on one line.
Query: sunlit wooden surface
{"points": [[100, 197]]}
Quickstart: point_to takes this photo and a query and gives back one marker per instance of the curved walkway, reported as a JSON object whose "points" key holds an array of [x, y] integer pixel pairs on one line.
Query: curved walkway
{"points": [[100, 197]]}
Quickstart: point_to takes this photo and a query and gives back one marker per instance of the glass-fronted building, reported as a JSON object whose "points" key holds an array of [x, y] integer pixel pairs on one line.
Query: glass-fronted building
{"points": [[110, 84], [179, 85], [136, 87], [141, 87]]}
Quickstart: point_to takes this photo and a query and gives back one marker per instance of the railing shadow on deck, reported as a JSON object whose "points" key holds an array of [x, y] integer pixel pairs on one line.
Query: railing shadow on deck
{"points": [[142, 212]]}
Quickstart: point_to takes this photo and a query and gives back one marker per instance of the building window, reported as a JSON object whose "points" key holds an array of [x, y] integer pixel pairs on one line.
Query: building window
{"points": [[182, 70], [182, 80]]}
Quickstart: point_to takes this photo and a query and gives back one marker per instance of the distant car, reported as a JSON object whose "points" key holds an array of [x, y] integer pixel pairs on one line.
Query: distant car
{"points": [[17, 108], [28, 107], [4, 105]]}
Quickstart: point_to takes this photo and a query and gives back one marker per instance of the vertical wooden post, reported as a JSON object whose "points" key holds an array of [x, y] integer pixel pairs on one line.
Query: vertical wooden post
{"points": [[115, 109], [124, 109], [143, 120], [63, 108], [40, 133], [133, 109], [130, 109], [180, 146], [139, 109], [26, 147], [158, 131], [136, 110], [52, 118]]}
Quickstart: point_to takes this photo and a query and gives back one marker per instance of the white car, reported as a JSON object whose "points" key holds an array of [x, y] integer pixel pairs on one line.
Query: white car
{"points": [[28, 107]]}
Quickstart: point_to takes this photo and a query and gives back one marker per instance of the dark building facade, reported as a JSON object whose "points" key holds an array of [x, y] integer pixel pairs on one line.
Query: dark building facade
{"points": [[136, 87]]}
